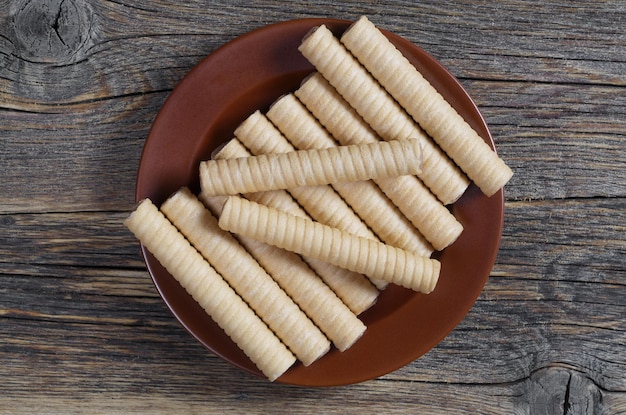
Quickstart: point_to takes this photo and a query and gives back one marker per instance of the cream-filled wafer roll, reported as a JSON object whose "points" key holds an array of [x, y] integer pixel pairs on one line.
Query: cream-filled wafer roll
{"points": [[246, 276], [310, 167], [380, 110], [408, 193], [354, 289], [322, 203], [422, 101], [303, 130], [317, 240], [208, 288]]}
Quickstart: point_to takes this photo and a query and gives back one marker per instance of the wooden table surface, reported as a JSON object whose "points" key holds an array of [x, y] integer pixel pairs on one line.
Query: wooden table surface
{"points": [[83, 328]]}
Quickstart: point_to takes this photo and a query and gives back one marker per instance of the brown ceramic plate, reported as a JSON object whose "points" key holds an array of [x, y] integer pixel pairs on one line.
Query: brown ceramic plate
{"points": [[202, 112]]}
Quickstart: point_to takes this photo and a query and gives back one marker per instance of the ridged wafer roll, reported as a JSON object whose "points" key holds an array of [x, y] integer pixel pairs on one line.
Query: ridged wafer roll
{"points": [[235, 149], [246, 276], [354, 289], [310, 167], [436, 222], [208, 288], [380, 110], [317, 240], [422, 101], [408, 193], [316, 298], [322, 202], [334, 112], [303, 130]]}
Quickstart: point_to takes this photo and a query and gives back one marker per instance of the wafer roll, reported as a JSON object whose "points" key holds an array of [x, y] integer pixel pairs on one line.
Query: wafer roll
{"points": [[310, 167], [246, 276], [422, 101], [260, 136], [379, 110], [317, 240], [235, 149], [317, 299], [408, 193], [323, 203], [354, 289], [206, 286], [334, 112], [301, 128]]}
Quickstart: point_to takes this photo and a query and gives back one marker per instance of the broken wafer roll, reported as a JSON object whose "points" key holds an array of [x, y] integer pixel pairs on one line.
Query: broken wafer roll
{"points": [[208, 288], [354, 289], [380, 110], [301, 128], [422, 101], [408, 193], [246, 276], [317, 240], [310, 167]]}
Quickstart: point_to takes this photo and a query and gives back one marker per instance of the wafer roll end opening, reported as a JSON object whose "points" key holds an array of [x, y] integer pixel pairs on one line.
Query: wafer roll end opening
{"points": [[311, 32], [362, 19]]}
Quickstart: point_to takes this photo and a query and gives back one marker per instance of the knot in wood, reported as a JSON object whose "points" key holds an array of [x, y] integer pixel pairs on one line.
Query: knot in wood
{"points": [[52, 31], [559, 390]]}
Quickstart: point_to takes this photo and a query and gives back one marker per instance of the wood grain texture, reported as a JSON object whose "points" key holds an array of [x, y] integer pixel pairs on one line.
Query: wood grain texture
{"points": [[84, 330]]}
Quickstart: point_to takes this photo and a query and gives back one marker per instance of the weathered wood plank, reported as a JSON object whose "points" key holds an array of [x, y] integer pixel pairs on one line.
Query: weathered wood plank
{"points": [[557, 390], [83, 327], [94, 239], [571, 240], [529, 317], [541, 239], [503, 339], [549, 42], [84, 158], [108, 37], [168, 371], [562, 141], [60, 112]]}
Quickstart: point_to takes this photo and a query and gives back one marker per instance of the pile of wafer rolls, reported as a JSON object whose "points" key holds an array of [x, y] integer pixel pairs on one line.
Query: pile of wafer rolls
{"points": [[313, 207]]}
